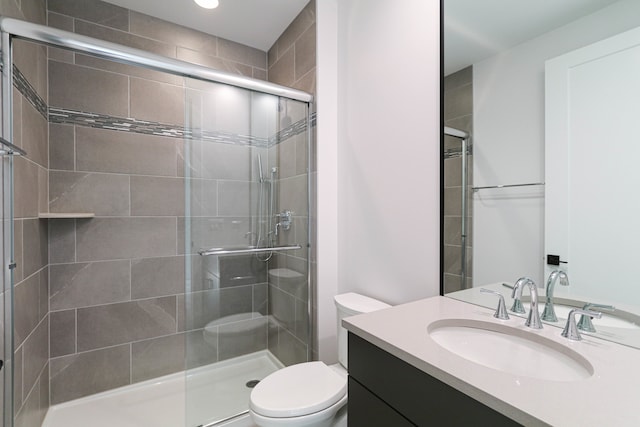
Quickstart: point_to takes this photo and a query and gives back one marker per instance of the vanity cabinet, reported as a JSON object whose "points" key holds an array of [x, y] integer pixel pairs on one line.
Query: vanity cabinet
{"points": [[388, 392]]}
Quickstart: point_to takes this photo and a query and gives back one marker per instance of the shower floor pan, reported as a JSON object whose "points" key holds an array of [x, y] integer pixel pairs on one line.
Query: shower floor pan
{"points": [[198, 397]]}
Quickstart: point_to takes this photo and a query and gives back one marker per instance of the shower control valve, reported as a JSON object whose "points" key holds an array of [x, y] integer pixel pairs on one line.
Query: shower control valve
{"points": [[285, 219]]}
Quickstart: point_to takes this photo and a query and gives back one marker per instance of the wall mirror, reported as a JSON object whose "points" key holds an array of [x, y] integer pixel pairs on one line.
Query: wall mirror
{"points": [[540, 171]]}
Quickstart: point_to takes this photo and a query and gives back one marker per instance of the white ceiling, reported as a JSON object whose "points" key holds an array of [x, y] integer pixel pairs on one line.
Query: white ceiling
{"points": [[256, 23], [478, 29]]}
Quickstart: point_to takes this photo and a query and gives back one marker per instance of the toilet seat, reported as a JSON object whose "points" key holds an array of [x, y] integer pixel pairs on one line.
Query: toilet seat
{"points": [[298, 390]]}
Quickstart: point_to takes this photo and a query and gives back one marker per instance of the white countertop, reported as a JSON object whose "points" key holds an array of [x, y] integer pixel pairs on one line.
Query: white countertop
{"points": [[610, 397]]}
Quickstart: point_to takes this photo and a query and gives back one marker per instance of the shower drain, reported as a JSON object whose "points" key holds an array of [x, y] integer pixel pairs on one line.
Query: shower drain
{"points": [[252, 383]]}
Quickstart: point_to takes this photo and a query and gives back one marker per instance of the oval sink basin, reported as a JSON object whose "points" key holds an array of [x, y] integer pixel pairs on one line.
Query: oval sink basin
{"points": [[510, 350], [607, 320]]}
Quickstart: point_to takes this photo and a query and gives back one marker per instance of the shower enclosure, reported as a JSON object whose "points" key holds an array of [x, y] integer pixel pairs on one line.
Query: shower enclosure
{"points": [[176, 232], [457, 182]]}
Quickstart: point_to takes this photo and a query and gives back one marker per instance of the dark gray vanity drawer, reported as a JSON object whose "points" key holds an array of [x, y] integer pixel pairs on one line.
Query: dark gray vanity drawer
{"points": [[419, 397]]}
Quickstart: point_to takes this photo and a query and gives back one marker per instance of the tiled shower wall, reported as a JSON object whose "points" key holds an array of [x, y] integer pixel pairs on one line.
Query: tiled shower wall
{"points": [[458, 113], [31, 314], [292, 62]]}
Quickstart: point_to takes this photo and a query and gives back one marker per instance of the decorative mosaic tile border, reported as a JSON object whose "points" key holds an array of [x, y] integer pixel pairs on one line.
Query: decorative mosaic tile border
{"points": [[21, 83], [103, 121]]}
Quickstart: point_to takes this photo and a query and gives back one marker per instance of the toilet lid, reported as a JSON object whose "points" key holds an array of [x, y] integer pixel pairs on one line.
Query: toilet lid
{"points": [[298, 390]]}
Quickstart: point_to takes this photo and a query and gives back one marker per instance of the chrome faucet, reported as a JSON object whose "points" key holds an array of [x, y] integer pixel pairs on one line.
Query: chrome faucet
{"points": [[585, 323], [533, 320], [570, 329], [549, 313]]}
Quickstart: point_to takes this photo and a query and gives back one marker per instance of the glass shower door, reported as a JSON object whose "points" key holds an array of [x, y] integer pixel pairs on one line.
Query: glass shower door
{"points": [[245, 244]]}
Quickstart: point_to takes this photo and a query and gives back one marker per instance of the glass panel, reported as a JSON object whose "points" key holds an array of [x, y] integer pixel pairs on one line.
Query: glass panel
{"points": [[246, 188]]}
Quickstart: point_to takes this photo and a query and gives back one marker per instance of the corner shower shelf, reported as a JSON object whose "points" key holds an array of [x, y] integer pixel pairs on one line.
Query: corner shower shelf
{"points": [[65, 215]]}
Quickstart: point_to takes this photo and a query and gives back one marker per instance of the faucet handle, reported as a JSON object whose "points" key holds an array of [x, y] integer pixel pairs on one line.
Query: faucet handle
{"points": [[585, 323], [570, 329], [501, 311]]}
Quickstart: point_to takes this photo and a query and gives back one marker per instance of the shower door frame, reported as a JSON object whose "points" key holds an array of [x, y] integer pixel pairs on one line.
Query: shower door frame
{"points": [[11, 29]]}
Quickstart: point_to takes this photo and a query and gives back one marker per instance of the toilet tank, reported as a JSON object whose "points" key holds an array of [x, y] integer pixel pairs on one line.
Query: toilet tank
{"points": [[350, 304]]}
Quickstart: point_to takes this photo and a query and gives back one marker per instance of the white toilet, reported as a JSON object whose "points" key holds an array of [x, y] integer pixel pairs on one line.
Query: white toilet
{"points": [[312, 393]]}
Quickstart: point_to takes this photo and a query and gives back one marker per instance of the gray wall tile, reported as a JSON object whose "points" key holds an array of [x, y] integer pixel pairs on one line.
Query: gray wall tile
{"points": [[62, 240], [44, 292], [87, 373], [34, 11], [282, 307], [87, 89], [289, 349], [126, 39], [201, 351], [31, 60], [153, 277], [125, 322], [36, 354], [459, 78], [26, 308], [18, 275], [44, 393], [458, 102], [18, 99], [157, 357], [283, 70], [18, 368], [290, 191], [35, 245], [240, 270], [99, 193], [302, 22], [214, 62], [206, 306], [35, 135], [235, 198], [259, 73], [85, 284], [43, 189], [305, 58], [239, 338], [214, 232], [63, 333], [261, 298], [129, 70], [226, 161], [122, 238], [94, 11], [26, 188], [101, 150], [61, 147], [156, 101], [154, 196], [237, 52], [157, 29], [204, 197], [302, 321], [30, 413], [306, 83], [61, 22]]}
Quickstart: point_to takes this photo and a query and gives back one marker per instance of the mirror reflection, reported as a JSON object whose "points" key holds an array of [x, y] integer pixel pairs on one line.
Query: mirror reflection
{"points": [[539, 162]]}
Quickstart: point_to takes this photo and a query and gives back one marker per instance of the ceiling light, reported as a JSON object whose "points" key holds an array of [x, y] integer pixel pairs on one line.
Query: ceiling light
{"points": [[207, 4]]}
